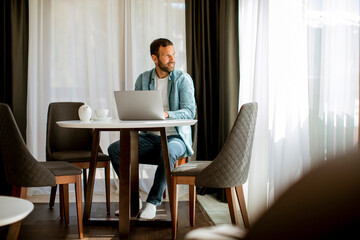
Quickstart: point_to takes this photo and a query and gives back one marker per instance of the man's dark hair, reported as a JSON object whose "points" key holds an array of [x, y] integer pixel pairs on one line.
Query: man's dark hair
{"points": [[155, 45]]}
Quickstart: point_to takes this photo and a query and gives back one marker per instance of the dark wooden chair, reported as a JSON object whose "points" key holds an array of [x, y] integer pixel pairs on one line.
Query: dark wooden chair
{"points": [[22, 170], [72, 145]]}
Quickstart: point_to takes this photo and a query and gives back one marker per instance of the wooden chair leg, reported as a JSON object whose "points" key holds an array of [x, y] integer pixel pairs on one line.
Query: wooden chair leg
{"points": [[19, 192], [84, 180], [241, 199], [65, 190], [78, 193], [52, 196], [174, 204], [13, 232], [61, 201], [164, 194], [176, 164], [107, 187], [192, 196], [230, 195]]}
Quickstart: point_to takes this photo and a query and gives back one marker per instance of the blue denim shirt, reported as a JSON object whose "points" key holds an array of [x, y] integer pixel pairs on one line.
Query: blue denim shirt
{"points": [[181, 95]]}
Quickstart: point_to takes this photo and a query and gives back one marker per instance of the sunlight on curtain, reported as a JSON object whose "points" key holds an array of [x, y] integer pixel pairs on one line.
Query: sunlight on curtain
{"points": [[333, 29], [85, 50], [253, 47], [300, 61], [288, 129]]}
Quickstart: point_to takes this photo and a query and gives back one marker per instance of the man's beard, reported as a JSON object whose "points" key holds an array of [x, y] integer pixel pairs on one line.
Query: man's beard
{"points": [[165, 68]]}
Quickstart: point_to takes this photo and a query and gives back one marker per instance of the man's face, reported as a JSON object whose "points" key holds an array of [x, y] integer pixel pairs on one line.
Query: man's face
{"points": [[166, 59]]}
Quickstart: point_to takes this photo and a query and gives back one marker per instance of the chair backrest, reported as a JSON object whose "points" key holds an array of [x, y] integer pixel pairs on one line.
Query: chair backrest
{"points": [[65, 139], [230, 168], [20, 167]]}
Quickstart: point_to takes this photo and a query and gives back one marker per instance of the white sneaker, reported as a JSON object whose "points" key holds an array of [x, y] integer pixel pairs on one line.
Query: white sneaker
{"points": [[140, 207]]}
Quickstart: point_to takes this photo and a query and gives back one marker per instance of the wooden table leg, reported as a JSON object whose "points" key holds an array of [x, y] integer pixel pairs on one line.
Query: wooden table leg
{"points": [[134, 174], [125, 187], [92, 171], [166, 163]]}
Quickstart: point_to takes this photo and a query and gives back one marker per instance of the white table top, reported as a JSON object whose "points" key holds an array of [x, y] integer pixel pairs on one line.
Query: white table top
{"points": [[14, 209], [116, 123]]}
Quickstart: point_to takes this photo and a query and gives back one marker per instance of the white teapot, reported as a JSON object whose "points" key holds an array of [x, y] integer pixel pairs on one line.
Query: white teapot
{"points": [[85, 113]]}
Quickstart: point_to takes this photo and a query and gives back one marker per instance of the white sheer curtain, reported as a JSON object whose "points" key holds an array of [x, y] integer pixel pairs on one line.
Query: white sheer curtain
{"points": [[84, 50], [145, 21], [333, 28], [300, 61]]}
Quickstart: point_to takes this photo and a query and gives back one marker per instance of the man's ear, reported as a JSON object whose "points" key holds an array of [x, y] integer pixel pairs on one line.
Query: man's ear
{"points": [[154, 58]]}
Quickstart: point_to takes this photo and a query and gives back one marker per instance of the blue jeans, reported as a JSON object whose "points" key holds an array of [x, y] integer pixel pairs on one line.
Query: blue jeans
{"points": [[150, 152]]}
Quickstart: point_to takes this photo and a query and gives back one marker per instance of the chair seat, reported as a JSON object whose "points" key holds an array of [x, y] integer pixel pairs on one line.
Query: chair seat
{"points": [[190, 168], [77, 156], [59, 168]]}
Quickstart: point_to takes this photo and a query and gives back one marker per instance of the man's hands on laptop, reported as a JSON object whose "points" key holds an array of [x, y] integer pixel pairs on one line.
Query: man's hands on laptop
{"points": [[166, 115]]}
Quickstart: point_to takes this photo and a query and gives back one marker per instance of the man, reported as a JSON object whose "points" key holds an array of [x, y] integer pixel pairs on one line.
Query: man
{"points": [[177, 91]]}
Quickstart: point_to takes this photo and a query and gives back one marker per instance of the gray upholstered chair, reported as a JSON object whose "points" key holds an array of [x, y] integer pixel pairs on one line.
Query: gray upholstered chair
{"points": [[228, 170], [72, 145], [22, 170], [322, 204]]}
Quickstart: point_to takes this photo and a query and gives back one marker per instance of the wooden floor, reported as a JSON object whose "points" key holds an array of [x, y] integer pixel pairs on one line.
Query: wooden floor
{"points": [[45, 223]]}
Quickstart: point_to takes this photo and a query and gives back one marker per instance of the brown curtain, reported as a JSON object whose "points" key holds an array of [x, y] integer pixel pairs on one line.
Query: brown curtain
{"points": [[212, 49], [14, 58], [14, 63], [213, 62]]}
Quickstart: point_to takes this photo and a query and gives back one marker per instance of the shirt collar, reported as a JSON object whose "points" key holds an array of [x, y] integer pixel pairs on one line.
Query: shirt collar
{"points": [[171, 75]]}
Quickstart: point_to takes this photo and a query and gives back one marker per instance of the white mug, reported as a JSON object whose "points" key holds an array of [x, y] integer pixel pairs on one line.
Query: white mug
{"points": [[101, 112]]}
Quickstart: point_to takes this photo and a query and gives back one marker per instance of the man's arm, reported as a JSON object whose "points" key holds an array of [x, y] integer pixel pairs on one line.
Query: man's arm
{"points": [[138, 83], [187, 105]]}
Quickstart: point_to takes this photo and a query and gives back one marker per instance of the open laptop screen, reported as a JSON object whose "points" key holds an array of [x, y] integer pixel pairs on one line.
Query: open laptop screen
{"points": [[139, 105]]}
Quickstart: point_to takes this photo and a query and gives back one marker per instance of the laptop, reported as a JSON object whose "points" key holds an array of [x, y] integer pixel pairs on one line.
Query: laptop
{"points": [[139, 105]]}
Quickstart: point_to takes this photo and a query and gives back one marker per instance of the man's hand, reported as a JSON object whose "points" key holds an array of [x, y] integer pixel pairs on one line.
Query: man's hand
{"points": [[166, 115]]}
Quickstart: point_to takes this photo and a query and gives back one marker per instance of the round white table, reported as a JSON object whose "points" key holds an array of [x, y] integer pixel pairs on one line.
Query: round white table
{"points": [[122, 124], [129, 180], [12, 211]]}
